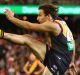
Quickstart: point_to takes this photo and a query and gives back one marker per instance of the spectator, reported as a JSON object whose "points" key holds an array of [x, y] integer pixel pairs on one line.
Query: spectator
{"points": [[33, 66]]}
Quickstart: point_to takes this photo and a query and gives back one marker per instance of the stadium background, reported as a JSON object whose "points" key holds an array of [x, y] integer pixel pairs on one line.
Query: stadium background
{"points": [[10, 51]]}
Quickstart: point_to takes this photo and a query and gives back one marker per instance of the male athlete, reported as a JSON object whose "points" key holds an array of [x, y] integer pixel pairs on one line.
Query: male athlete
{"points": [[56, 52]]}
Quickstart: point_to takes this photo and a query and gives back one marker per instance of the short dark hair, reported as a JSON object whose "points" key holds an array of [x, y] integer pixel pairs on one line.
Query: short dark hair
{"points": [[48, 9]]}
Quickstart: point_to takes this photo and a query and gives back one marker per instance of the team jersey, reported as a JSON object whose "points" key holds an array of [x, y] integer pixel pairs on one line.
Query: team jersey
{"points": [[65, 39], [59, 56]]}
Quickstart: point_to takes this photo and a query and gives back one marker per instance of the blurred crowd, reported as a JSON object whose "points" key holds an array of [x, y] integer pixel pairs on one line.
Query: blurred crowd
{"points": [[19, 2], [24, 2], [18, 60]]}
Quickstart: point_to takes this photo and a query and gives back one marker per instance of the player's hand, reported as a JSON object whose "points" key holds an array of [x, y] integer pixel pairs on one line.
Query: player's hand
{"points": [[72, 65], [1, 33], [9, 14]]}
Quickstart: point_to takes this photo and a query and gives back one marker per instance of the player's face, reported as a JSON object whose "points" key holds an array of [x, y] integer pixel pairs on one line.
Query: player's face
{"points": [[41, 16]]}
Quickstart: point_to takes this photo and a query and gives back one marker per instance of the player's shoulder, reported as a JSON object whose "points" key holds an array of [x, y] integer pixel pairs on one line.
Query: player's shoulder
{"points": [[61, 22]]}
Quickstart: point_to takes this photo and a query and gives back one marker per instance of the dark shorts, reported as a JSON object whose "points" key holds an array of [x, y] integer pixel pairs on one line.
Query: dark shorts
{"points": [[57, 64], [60, 65]]}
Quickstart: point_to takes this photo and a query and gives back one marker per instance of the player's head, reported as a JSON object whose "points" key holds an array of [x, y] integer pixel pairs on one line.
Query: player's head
{"points": [[45, 12], [32, 57]]}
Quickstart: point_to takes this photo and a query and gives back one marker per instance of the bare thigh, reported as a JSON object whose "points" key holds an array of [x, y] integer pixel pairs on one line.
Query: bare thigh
{"points": [[46, 71], [37, 47]]}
